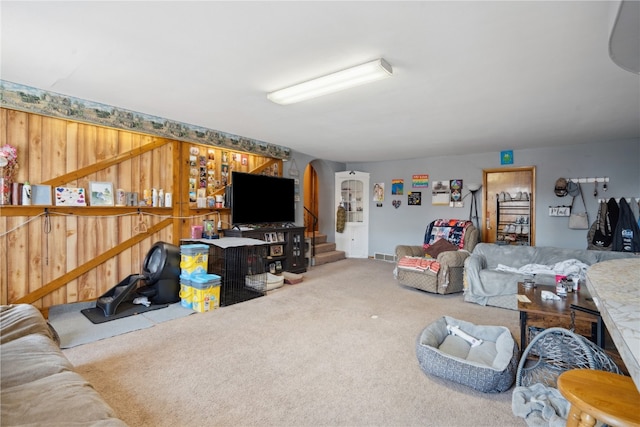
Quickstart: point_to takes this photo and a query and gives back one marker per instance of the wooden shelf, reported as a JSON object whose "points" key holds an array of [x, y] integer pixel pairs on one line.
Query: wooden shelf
{"points": [[11, 210], [205, 211]]}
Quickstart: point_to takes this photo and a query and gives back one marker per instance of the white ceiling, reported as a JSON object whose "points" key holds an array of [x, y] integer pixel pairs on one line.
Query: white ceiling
{"points": [[468, 76]]}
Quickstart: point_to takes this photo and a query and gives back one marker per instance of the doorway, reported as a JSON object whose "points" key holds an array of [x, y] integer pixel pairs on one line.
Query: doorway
{"points": [[310, 202], [518, 184]]}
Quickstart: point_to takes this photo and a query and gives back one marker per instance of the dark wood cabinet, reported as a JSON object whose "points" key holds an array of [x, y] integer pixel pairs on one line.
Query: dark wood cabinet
{"points": [[285, 246]]}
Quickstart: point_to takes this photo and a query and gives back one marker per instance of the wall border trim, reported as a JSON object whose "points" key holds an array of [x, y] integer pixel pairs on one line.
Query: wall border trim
{"points": [[29, 99]]}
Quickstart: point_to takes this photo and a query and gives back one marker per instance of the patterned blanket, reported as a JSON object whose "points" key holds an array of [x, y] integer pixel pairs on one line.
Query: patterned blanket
{"points": [[450, 229], [419, 264]]}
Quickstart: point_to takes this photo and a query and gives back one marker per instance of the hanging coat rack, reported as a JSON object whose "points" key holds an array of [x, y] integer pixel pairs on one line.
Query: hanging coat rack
{"points": [[595, 181], [617, 199], [604, 179]]}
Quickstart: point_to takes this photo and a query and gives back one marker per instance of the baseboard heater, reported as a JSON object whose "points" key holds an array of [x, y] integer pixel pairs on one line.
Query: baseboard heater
{"points": [[384, 257]]}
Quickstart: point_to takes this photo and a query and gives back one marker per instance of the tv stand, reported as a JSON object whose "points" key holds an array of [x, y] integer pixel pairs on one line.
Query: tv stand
{"points": [[241, 228], [286, 245]]}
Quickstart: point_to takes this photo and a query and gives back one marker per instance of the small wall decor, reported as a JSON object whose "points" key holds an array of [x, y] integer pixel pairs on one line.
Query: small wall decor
{"points": [[70, 196], [420, 181], [101, 194], [397, 186], [506, 157], [559, 210], [396, 203], [293, 169], [414, 198], [456, 193], [378, 193], [440, 193], [296, 190]]}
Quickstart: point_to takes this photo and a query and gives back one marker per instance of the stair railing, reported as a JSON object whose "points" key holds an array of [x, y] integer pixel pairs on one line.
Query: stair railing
{"points": [[308, 214]]}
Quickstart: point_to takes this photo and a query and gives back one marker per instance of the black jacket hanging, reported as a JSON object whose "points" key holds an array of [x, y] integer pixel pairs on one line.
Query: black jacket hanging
{"points": [[626, 238], [613, 211], [601, 233]]}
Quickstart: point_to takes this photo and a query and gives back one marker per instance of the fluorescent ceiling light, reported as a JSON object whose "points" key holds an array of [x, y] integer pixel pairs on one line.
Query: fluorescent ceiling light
{"points": [[345, 79], [624, 43]]}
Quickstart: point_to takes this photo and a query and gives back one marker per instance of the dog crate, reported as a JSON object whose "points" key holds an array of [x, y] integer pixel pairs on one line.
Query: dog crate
{"points": [[234, 264]]}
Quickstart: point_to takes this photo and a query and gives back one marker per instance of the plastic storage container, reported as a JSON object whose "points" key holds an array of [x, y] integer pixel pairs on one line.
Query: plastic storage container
{"points": [[206, 292], [193, 259], [186, 292]]}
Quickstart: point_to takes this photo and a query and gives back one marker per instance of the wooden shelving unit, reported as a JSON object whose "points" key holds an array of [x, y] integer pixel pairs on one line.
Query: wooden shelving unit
{"points": [[53, 255], [513, 221]]}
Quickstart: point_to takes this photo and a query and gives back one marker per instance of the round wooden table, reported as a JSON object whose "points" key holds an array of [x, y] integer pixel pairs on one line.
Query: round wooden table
{"points": [[598, 395]]}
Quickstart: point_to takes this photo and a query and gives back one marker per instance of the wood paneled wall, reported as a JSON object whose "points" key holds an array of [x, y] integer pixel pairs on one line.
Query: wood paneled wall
{"points": [[54, 255]]}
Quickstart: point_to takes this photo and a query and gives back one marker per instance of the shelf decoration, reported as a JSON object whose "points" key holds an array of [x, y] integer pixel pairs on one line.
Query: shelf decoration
{"points": [[8, 169], [276, 250], [101, 193], [41, 195], [70, 196]]}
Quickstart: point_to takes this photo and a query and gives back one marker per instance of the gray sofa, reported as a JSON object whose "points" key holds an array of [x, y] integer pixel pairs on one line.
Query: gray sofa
{"points": [[38, 385], [485, 285]]}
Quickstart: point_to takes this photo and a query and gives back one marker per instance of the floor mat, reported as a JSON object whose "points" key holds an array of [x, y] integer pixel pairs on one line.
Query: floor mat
{"points": [[74, 328], [125, 309]]}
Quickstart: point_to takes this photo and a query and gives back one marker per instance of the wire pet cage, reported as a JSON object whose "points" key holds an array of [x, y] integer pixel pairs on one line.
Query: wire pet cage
{"points": [[243, 273], [555, 350]]}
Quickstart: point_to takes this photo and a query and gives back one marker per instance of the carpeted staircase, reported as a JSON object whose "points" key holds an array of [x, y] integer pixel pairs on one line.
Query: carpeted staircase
{"points": [[325, 252]]}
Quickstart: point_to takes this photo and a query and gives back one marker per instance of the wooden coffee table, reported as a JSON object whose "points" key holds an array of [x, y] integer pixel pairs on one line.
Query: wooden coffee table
{"points": [[558, 313]]}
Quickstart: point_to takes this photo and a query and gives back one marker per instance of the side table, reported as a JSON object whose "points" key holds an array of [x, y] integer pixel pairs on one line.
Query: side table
{"points": [[576, 310], [599, 396]]}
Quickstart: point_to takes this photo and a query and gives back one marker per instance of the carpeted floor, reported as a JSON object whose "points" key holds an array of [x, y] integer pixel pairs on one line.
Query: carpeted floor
{"points": [[337, 349]]}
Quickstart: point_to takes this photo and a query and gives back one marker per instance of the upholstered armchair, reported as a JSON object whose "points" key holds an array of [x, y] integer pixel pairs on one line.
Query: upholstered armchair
{"points": [[438, 265]]}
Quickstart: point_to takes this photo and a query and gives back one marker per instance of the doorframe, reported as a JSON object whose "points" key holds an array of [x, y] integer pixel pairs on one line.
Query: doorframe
{"points": [[310, 199], [486, 229]]}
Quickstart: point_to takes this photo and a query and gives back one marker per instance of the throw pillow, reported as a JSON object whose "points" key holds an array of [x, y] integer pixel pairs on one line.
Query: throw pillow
{"points": [[439, 246]]}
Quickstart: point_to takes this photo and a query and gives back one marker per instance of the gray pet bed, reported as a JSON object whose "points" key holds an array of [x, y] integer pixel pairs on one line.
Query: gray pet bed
{"points": [[489, 367]]}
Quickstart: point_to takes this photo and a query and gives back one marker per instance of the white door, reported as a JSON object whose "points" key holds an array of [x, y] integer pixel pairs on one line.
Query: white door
{"points": [[352, 193]]}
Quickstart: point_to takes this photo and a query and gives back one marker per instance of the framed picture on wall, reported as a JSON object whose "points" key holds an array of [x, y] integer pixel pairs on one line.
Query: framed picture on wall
{"points": [[101, 194]]}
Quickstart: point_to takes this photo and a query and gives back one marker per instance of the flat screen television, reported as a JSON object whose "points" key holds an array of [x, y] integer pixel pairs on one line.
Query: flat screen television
{"points": [[261, 199]]}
